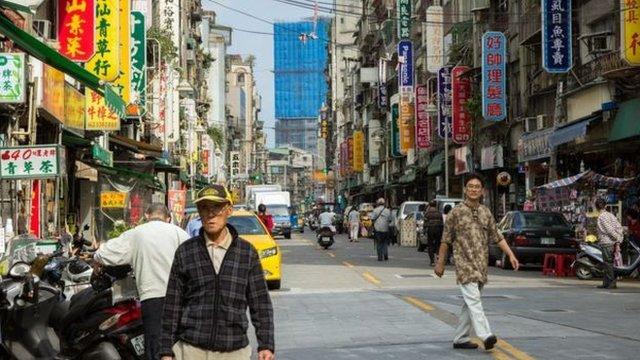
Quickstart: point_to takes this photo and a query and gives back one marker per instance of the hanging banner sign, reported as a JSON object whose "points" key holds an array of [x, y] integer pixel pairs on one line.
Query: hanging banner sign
{"points": [[73, 108], [38, 161], [460, 116], [407, 127], [358, 151], [405, 78], [53, 95], [344, 155], [556, 36], [97, 114], [113, 200], [630, 31], [494, 57], [324, 125], [138, 60], [423, 122], [76, 29], [12, 78], [105, 62], [383, 96], [434, 38], [36, 209], [395, 131], [463, 161], [350, 155], [444, 101], [177, 204], [205, 156], [404, 19], [123, 83]]}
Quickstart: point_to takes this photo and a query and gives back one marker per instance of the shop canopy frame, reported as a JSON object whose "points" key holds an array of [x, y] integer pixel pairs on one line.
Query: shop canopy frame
{"points": [[590, 177], [48, 55]]}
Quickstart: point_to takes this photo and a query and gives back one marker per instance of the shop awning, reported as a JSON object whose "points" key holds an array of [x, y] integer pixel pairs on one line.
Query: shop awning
{"points": [[72, 140], [46, 54], [590, 177], [146, 179], [138, 146], [13, 4], [571, 132], [436, 164], [627, 121]]}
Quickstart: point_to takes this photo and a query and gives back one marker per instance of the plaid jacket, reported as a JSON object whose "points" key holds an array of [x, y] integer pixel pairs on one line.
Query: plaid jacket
{"points": [[208, 310]]}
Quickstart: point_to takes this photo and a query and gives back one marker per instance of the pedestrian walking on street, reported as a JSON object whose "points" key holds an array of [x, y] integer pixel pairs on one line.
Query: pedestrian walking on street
{"points": [[354, 223], [393, 231], [434, 223], [214, 278], [469, 228], [610, 233], [149, 249], [381, 218], [266, 219]]}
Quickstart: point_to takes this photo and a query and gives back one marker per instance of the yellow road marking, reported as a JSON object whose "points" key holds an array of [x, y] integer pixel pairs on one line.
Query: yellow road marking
{"points": [[347, 264], [371, 278], [513, 351], [418, 303], [499, 355], [331, 254]]}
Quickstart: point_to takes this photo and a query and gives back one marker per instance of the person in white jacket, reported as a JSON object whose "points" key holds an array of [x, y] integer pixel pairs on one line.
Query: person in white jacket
{"points": [[149, 249]]}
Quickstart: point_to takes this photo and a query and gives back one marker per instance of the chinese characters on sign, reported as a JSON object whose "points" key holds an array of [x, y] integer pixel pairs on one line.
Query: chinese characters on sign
{"points": [[177, 204], [444, 101], [53, 96], [423, 121], [434, 38], [407, 130], [383, 95], [534, 145], [494, 97], [205, 156], [404, 19], [76, 29], [138, 59], [105, 62], [235, 163], [324, 125], [358, 151], [350, 155], [112, 200], [395, 131], [630, 31], [97, 114], [556, 36], [12, 78], [123, 82], [405, 78], [460, 117], [73, 108], [29, 162]]}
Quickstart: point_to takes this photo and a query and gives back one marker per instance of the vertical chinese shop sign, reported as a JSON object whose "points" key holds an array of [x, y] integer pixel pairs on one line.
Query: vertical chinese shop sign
{"points": [[97, 115], [423, 122], [460, 117], [494, 97], [358, 151], [123, 83], [556, 36], [76, 29], [404, 19], [630, 31], [105, 62], [444, 102], [138, 59], [350, 155]]}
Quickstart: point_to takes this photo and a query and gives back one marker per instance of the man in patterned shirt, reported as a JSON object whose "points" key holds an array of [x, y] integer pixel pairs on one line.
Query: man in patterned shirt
{"points": [[609, 234], [469, 228]]}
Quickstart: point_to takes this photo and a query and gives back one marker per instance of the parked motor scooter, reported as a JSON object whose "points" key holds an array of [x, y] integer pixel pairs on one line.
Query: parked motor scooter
{"points": [[25, 306], [325, 237], [589, 263]]}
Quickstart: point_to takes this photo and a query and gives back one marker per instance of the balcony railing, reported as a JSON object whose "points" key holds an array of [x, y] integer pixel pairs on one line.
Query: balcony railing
{"points": [[606, 66]]}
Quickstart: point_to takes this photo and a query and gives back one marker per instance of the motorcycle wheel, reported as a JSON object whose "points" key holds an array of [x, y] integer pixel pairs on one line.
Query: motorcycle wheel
{"points": [[583, 272]]}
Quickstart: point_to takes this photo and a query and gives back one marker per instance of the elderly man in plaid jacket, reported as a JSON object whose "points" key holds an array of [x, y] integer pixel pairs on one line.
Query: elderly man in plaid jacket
{"points": [[215, 276]]}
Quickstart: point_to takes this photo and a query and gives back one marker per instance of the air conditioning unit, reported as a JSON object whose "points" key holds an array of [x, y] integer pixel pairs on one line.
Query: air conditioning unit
{"points": [[530, 124], [540, 121], [42, 29], [600, 44], [480, 5]]}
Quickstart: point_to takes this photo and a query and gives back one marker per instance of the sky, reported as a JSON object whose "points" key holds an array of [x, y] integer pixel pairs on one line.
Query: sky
{"points": [[259, 45]]}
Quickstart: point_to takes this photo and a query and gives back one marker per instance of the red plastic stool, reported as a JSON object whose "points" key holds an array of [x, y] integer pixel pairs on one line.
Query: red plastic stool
{"points": [[552, 265]]}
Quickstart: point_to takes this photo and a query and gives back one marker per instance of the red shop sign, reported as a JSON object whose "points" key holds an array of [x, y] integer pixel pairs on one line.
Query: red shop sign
{"points": [[461, 119]]}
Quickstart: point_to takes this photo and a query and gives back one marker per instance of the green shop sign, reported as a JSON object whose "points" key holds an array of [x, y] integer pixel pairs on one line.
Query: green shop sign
{"points": [[404, 19], [12, 78], [395, 132], [102, 156], [138, 60]]}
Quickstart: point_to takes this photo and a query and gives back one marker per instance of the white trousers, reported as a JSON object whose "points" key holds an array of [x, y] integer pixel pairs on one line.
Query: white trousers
{"points": [[472, 314], [184, 351], [353, 231]]}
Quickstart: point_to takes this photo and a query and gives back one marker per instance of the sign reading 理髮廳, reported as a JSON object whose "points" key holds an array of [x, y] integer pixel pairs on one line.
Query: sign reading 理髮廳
{"points": [[556, 36], [494, 96], [24, 162]]}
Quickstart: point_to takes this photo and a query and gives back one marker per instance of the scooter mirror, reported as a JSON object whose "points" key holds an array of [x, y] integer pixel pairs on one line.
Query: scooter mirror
{"points": [[19, 270]]}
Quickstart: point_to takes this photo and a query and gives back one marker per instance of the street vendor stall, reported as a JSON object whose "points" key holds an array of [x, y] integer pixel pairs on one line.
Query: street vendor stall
{"points": [[574, 197]]}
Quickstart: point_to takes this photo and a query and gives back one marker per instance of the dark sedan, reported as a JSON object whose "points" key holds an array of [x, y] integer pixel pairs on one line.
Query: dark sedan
{"points": [[531, 234]]}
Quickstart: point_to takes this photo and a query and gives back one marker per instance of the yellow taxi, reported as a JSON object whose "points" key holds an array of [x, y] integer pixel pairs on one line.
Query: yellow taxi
{"points": [[251, 229]]}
